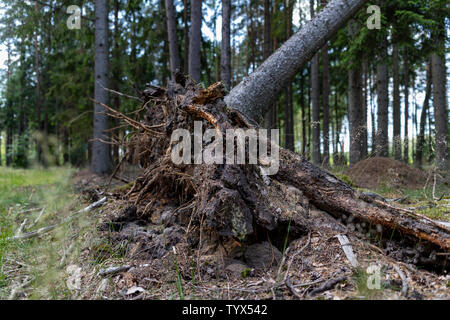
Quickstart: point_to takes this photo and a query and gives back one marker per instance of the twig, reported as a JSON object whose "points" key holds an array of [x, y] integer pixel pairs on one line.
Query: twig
{"points": [[120, 93], [37, 219], [28, 210], [292, 289], [113, 270], [328, 285], [135, 124], [404, 280], [40, 231], [22, 225], [296, 254]]}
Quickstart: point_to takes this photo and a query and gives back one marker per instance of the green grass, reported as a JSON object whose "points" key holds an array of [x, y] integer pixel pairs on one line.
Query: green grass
{"points": [[415, 197], [422, 199], [38, 259]]}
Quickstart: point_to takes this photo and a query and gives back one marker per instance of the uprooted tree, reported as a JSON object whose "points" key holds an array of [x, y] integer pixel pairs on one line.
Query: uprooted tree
{"points": [[240, 201]]}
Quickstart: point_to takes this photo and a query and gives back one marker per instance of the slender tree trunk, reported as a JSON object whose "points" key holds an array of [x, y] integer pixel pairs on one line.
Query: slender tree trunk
{"points": [[38, 91], [204, 61], [396, 104], [100, 151], [406, 84], [225, 60], [289, 105], [355, 105], [186, 36], [254, 96], [173, 41], [423, 118], [302, 106], [440, 110], [364, 147], [308, 126], [116, 71], [267, 51], [382, 141], [325, 102], [195, 40], [315, 88]]}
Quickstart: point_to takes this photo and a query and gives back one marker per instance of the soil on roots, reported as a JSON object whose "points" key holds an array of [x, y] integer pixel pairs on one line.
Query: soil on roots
{"points": [[229, 230]]}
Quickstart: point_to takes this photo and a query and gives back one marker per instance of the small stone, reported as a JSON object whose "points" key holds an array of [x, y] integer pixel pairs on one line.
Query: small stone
{"points": [[262, 255], [236, 268]]}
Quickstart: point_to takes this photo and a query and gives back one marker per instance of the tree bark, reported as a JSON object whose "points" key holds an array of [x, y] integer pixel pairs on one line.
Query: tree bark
{"points": [[116, 72], [225, 60], [406, 119], [355, 105], [396, 104], [423, 119], [302, 107], [364, 150], [289, 104], [383, 105], [101, 162], [186, 36], [195, 40], [270, 117], [255, 94], [325, 103], [440, 110], [173, 41], [315, 98], [38, 92]]}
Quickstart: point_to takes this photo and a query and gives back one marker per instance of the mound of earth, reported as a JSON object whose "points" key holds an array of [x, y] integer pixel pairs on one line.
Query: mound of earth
{"points": [[376, 172]]}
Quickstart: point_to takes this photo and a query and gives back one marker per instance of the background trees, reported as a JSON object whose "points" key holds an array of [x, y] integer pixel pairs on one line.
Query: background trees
{"points": [[363, 94]]}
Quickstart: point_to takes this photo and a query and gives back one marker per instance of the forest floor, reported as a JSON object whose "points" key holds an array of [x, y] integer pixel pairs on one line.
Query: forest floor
{"points": [[112, 253]]}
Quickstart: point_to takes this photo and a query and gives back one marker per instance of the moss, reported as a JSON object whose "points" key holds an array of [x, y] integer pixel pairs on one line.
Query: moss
{"points": [[346, 179]]}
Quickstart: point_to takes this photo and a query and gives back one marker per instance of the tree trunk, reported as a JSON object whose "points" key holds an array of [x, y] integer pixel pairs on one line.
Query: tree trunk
{"points": [[325, 103], [270, 118], [195, 40], [225, 61], [406, 84], [256, 94], [186, 36], [116, 72], [423, 119], [382, 141], [289, 105], [100, 151], [440, 110], [302, 106], [355, 105], [38, 92], [364, 151], [315, 98], [355, 113], [173, 41], [396, 104]]}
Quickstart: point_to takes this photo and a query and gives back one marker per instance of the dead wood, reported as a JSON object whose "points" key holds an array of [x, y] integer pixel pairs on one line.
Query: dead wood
{"points": [[233, 202]]}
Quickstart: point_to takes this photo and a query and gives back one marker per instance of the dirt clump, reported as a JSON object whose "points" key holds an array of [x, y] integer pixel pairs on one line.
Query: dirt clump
{"points": [[376, 172]]}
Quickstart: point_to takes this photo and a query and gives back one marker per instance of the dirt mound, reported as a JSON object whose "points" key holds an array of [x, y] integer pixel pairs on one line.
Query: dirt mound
{"points": [[376, 172]]}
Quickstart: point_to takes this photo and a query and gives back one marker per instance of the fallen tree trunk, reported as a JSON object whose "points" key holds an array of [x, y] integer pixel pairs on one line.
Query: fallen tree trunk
{"points": [[239, 201], [330, 194], [257, 92], [224, 201]]}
